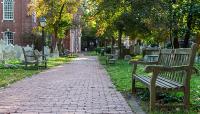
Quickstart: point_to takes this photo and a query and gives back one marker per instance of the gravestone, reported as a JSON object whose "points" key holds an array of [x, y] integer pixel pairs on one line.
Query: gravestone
{"points": [[9, 52], [2, 48], [19, 51], [55, 53], [28, 48], [137, 49], [47, 51], [127, 57], [1, 54]]}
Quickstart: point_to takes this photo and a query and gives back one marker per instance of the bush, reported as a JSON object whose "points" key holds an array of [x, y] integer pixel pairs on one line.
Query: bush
{"points": [[98, 50], [108, 49]]}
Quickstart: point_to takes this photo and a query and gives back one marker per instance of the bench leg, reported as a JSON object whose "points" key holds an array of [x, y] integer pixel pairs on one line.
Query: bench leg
{"points": [[45, 64], [186, 98], [152, 98], [133, 86], [37, 66], [26, 66]]}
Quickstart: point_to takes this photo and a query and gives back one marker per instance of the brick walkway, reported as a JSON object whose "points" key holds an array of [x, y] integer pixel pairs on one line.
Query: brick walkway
{"points": [[76, 88]]}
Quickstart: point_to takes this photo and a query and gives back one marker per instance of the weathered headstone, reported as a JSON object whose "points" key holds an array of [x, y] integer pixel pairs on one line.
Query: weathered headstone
{"points": [[9, 52], [137, 49], [127, 57], [1, 54], [55, 53], [47, 51], [28, 48]]}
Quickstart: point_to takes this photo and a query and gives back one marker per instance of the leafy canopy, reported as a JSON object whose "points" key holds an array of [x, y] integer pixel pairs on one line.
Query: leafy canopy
{"points": [[58, 13]]}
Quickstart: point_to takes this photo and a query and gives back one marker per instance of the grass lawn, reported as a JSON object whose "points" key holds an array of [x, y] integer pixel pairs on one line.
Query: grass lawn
{"points": [[120, 74], [91, 53], [10, 75]]}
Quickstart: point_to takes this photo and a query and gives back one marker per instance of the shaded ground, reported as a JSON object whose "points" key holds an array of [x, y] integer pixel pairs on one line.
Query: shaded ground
{"points": [[120, 74], [79, 87]]}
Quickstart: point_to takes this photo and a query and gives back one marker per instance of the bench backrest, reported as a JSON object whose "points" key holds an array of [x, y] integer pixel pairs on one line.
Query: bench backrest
{"points": [[38, 54], [28, 55], [177, 57]]}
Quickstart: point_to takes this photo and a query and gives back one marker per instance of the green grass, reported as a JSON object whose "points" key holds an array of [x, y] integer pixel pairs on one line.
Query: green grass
{"points": [[91, 53], [58, 61], [120, 74], [11, 75]]}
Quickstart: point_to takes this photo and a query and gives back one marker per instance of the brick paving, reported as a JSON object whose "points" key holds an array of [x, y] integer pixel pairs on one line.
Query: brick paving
{"points": [[80, 87]]}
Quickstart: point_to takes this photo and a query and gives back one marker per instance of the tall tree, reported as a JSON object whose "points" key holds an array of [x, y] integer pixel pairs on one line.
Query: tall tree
{"points": [[186, 14], [151, 20], [59, 15]]}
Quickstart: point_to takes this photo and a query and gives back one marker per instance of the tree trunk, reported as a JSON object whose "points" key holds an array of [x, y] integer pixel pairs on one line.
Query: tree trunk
{"points": [[176, 43], [56, 25], [59, 44], [189, 27], [120, 43], [54, 43], [175, 30], [112, 44]]}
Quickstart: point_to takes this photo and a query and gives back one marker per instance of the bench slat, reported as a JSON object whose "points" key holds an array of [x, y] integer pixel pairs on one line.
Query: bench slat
{"points": [[169, 81], [146, 80], [160, 82], [143, 80]]}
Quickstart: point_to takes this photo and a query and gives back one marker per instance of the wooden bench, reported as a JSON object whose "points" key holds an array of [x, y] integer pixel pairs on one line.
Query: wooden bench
{"points": [[172, 72], [33, 57], [111, 58], [41, 59]]}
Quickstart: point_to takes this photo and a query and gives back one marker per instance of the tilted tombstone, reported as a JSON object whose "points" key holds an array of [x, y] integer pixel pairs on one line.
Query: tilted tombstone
{"points": [[9, 52], [19, 51], [46, 51], [127, 57], [2, 48], [1, 54], [137, 49], [28, 48], [55, 53]]}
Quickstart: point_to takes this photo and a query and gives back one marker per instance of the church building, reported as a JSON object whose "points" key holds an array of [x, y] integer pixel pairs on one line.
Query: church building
{"points": [[15, 24]]}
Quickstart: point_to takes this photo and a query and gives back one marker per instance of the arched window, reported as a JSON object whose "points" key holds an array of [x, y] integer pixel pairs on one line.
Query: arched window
{"points": [[8, 9], [9, 37]]}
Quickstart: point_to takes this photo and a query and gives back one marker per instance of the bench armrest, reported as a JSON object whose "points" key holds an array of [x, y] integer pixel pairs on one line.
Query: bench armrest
{"points": [[43, 55], [135, 63], [156, 69], [161, 68], [38, 56]]}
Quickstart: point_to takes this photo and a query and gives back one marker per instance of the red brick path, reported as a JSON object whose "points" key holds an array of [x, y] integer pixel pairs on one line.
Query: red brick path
{"points": [[81, 87]]}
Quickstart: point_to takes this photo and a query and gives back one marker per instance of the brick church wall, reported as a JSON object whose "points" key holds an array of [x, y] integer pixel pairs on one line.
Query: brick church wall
{"points": [[22, 23]]}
